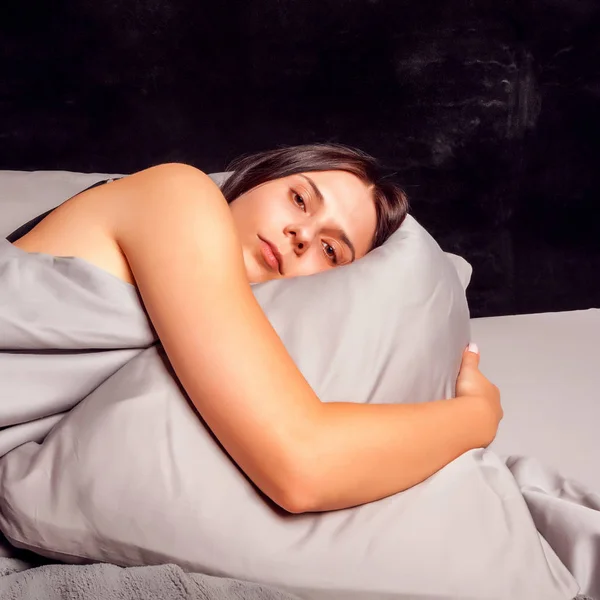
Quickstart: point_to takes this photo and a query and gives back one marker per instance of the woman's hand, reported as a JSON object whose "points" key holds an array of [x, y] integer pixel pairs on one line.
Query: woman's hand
{"points": [[472, 383]]}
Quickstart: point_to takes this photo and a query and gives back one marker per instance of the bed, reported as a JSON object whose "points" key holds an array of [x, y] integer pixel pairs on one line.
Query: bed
{"points": [[546, 366]]}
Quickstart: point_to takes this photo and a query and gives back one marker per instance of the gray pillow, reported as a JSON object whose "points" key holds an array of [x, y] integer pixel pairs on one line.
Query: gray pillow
{"points": [[132, 476], [463, 268]]}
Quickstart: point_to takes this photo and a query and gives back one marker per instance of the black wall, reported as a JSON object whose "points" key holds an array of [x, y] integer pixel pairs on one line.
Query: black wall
{"points": [[488, 111]]}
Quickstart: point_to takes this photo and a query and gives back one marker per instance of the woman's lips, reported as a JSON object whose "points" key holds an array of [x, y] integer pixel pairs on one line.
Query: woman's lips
{"points": [[269, 255]]}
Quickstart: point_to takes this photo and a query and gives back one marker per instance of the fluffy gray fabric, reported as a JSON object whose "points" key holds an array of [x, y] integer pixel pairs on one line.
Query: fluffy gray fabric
{"points": [[18, 581], [109, 582]]}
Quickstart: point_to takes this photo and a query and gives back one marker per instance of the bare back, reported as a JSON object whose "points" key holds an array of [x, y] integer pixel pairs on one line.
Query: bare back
{"points": [[78, 228]]}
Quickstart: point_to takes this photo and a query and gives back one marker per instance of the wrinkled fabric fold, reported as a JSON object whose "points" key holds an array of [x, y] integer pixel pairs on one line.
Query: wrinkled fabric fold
{"points": [[567, 515], [54, 348]]}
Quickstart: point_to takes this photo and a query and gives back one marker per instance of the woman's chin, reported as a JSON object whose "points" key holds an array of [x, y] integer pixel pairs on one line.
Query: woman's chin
{"points": [[257, 273]]}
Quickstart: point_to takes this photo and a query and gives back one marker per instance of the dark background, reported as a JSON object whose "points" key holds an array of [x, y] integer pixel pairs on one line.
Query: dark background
{"points": [[489, 112]]}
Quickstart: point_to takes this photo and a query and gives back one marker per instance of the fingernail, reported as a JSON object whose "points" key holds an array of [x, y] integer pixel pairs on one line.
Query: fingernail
{"points": [[473, 348]]}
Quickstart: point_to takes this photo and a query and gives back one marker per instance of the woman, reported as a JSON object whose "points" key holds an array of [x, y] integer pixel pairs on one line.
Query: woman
{"points": [[192, 249]]}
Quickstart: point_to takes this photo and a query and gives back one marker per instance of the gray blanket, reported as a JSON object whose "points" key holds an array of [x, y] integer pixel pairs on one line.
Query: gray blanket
{"points": [[20, 581]]}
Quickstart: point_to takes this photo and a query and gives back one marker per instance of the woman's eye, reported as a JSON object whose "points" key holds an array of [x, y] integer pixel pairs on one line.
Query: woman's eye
{"points": [[332, 257], [298, 196]]}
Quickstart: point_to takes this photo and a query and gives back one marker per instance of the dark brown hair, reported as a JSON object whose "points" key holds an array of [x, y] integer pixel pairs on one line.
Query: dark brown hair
{"points": [[249, 171]]}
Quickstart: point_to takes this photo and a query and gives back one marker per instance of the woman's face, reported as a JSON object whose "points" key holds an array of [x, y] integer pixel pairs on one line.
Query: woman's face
{"points": [[309, 233]]}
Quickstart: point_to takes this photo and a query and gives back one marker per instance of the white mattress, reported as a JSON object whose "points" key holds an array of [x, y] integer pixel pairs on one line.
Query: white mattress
{"points": [[547, 367]]}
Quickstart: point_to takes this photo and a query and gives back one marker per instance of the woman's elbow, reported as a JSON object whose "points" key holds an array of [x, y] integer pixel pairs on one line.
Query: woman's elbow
{"points": [[296, 492], [296, 500]]}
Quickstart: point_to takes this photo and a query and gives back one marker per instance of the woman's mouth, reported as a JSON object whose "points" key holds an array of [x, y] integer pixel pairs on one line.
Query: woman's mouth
{"points": [[270, 255]]}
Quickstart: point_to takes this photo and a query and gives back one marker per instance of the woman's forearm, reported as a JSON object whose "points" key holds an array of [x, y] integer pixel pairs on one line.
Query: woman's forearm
{"points": [[363, 452]]}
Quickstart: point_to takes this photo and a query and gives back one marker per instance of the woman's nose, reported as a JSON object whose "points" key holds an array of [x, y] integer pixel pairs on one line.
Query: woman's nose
{"points": [[303, 242], [302, 237]]}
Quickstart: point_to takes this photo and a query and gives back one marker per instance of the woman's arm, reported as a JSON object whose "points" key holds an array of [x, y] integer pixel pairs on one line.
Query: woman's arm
{"points": [[178, 235], [369, 451]]}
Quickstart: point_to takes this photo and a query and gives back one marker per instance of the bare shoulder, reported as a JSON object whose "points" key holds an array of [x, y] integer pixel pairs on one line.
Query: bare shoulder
{"points": [[166, 194], [171, 217], [88, 224]]}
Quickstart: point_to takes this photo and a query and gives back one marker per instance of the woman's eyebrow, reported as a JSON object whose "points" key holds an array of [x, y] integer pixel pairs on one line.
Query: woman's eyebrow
{"points": [[340, 232]]}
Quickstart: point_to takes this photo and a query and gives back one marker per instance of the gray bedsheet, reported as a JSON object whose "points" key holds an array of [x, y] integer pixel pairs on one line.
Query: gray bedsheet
{"points": [[565, 513]]}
